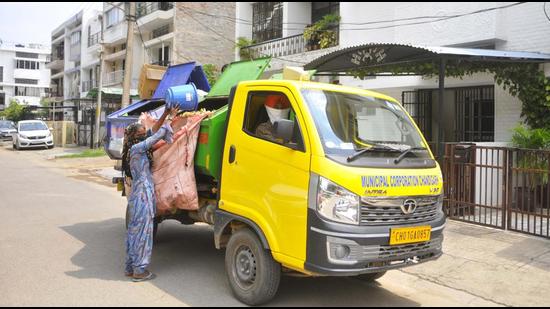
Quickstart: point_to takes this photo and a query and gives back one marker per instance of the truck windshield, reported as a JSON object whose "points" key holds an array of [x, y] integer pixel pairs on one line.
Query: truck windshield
{"points": [[349, 122]]}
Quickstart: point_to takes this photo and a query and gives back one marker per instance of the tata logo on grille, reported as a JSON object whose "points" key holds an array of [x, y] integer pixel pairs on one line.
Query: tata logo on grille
{"points": [[408, 207]]}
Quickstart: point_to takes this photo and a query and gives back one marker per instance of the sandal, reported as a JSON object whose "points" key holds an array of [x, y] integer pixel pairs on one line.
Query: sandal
{"points": [[146, 275]]}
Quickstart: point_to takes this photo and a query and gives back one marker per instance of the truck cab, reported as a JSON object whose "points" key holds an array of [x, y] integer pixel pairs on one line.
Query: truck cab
{"points": [[349, 187]]}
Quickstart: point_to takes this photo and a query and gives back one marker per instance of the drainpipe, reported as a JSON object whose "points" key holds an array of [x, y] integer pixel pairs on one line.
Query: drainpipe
{"points": [[440, 103]]}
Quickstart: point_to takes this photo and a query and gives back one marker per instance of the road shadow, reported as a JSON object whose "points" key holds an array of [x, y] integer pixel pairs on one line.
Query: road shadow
{"points": [[189, 268]]}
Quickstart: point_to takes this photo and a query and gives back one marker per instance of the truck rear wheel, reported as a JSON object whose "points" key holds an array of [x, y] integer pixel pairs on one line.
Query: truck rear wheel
{"points": [[253, 274], [370, 276]]}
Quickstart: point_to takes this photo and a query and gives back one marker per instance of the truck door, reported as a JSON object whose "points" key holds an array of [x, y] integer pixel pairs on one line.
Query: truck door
{"points": [[263, 179]]}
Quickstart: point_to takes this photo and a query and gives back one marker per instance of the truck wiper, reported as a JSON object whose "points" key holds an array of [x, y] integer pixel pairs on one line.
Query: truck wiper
{"points": [[375, 147], [407, 151]]}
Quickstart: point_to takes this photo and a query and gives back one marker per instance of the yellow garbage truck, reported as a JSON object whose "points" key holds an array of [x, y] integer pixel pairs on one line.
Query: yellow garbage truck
{"points": [[346, 185]]}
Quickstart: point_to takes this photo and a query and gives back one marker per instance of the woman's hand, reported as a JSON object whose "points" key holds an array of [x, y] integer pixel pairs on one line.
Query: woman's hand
{"points": [[173, 111]]}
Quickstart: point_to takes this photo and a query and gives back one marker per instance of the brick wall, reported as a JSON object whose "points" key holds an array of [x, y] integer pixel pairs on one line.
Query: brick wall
{"points": [[194, 41]]}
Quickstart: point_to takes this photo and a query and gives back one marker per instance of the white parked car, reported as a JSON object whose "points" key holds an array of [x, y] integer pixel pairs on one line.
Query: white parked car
{"points": [[32, 133]]}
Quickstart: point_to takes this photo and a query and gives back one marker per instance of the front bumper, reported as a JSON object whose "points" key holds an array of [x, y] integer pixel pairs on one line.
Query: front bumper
{"points": [[28, 143], [365, 249], [6, 136]]}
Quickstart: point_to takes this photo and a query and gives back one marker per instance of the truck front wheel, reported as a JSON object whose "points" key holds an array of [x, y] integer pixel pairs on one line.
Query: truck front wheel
{"points": [[253, 274]]}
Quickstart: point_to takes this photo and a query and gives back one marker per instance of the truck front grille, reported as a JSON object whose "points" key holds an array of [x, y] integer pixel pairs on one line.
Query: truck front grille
{"points": [[386, 252], [387, 211]]}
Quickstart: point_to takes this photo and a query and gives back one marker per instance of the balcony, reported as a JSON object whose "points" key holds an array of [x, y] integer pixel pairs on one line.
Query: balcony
{"points": [[166, 38], [113, 78], [116, 34], [55, 92], [151, 15], [27, 74], [121, 54], [94, 39], [290, 45], [57, 75], [88, 85], [56, 64]]}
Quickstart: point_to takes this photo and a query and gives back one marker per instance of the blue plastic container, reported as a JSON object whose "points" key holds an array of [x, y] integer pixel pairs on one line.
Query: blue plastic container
{"points": [[184, 96]]}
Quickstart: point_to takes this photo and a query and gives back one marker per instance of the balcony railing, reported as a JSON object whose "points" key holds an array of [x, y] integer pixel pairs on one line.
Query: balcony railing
{"points": [[146, 8], [290, 45], [114, 77], [93, 39], [162, 63], [160, 31], [279, 47], [88, 85]]}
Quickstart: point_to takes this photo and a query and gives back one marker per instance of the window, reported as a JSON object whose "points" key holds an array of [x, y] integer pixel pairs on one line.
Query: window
{"points": [[320, 9], [267, 21], [2, 100], [26, 55], [75, 38], [27, 91], [1, 74], [164, 56], [258, 120], [114, 16], [26, 81], [26, 64]]}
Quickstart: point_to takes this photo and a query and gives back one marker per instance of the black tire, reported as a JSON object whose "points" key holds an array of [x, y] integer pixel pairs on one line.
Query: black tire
{"points": [[253, 274], [371, 276], [50, 147]]}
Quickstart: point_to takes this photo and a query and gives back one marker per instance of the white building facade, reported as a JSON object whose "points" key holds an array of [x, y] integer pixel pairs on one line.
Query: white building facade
{"points": [[23, 73], [488, 25]]}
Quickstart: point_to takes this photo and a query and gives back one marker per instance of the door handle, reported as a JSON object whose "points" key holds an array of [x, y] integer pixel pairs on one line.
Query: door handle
{"points": [[232, 153]]}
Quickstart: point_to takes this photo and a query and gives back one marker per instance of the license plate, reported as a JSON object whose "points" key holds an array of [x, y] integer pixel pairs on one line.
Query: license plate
{"points": [[407, 235], [119, 186]]}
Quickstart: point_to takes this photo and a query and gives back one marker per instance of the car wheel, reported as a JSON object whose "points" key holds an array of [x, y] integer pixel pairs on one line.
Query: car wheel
{"points": [[17, 146], [253, 274]]}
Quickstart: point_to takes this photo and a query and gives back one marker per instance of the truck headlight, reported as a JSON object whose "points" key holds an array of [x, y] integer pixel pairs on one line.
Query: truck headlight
{"points": [[336, 203]]}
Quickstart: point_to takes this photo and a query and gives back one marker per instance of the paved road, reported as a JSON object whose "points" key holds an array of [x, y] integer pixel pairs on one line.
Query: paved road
{"points": [[61, 244]]}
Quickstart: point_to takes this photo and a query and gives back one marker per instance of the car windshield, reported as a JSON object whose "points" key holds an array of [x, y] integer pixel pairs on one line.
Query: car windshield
{"points": [[6, 125], [32, 126], [349, 122]]}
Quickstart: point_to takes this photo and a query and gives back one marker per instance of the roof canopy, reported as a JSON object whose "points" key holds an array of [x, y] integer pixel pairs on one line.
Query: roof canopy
{"points": [[377, 55]]}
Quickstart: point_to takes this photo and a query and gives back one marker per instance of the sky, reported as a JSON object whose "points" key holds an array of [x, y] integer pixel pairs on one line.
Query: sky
{"points": [[33, 22]]}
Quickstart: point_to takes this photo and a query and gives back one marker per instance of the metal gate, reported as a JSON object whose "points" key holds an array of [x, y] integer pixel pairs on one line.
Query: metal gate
{"points": [[501, 187], [86, 120]]}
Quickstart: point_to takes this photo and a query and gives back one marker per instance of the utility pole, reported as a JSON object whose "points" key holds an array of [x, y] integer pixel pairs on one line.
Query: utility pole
{"points": [[99, 88], [130, 18]]}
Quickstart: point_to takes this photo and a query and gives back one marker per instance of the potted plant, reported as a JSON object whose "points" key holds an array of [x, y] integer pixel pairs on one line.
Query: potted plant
{"points": [[245, 53], [322, 34], [535, 188]]}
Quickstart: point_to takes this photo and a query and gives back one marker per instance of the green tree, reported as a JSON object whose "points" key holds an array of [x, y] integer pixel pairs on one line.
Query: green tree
{"points": [[14, 111]]}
